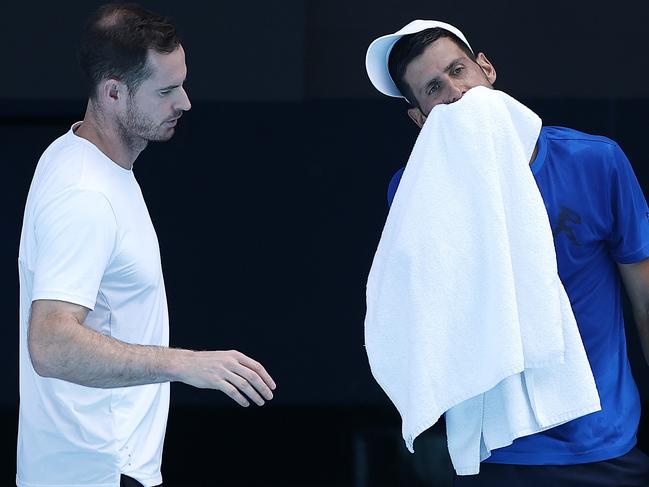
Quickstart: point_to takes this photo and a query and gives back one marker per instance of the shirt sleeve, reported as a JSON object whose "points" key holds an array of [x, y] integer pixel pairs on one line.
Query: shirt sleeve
{"points": [[75, 239], [629, 238]]}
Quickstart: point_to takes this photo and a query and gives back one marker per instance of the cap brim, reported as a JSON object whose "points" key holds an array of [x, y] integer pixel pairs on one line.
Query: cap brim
{"points": [[376, 63]]}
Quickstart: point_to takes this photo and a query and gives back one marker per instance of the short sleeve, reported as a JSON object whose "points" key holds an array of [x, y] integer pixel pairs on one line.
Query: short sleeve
{"points": [[629, 238], [75, 239]]}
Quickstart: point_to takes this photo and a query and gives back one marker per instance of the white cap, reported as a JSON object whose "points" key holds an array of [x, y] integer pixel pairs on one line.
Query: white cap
{"points": [[378, 54]]}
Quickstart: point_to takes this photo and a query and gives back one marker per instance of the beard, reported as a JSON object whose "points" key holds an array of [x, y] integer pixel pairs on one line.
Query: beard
{"points": [[138, 128]]}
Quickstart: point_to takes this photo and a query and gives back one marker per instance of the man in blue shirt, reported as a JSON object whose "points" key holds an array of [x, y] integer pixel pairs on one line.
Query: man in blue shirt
{"points": [[600, 223]]}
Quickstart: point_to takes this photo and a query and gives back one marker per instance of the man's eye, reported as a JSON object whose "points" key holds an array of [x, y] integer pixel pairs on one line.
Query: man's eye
{"points": [[458, 69], [165, 92], [433, 88]]}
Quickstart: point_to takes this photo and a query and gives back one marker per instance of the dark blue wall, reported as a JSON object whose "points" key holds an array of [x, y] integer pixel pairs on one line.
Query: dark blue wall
{"points": [[268, 216]]}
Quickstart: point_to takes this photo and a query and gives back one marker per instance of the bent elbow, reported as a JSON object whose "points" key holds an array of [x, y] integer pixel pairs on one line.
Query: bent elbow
{"points": [[40, 363], [39, 355]]}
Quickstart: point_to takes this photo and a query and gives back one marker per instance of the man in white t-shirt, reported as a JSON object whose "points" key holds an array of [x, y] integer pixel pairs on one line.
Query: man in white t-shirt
{"points": [[95, 365]]}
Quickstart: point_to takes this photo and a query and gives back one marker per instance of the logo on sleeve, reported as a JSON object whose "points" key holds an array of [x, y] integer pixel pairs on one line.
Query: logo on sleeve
{"points": [[567, 221]]}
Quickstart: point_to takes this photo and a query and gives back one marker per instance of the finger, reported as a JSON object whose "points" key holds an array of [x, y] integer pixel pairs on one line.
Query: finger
{"points": [[254, 379], [258, 368], [244, 386], [232, 391]]}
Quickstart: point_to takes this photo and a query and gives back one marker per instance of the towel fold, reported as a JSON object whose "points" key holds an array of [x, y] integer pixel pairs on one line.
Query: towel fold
{"points": [[465, 310]]}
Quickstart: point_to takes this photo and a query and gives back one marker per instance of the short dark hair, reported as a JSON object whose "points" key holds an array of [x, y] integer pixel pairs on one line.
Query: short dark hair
{"points": [[115, 43], [411, 46]]}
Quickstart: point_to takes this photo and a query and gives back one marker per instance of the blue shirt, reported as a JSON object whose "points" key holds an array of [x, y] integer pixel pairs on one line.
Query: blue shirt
{"points": [[599, 217]]}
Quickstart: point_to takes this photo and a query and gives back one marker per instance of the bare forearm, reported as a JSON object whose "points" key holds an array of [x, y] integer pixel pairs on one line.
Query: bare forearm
{"points": [[636, 282], [641, 318], [62, 347], [78, 354]]}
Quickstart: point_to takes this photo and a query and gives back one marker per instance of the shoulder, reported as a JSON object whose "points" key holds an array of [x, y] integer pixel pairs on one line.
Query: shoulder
{"points": [[577, 140], [582, 150], [62, 164], [75, 207], [69, 165]]}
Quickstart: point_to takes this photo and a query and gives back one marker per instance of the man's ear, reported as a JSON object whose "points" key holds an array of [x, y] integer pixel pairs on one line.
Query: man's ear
{"points": [[416, 116], [486, 66], [112, 90]]}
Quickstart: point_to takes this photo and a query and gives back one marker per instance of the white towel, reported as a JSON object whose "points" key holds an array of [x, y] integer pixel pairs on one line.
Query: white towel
{"points": [[463, 294]]}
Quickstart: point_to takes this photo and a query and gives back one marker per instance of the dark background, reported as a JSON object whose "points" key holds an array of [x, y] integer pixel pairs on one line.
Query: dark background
{"points": [[270, 199]]}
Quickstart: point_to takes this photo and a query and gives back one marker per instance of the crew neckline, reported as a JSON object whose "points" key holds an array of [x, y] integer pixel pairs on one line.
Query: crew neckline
{"points": [[85, 141]]}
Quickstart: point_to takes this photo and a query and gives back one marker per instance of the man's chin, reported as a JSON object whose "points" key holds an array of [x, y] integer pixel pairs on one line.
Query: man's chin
{"points": [[164, 136]]}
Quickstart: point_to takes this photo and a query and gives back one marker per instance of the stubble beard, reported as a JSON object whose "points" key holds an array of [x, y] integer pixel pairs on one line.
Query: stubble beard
{"points": [[137, 129]]}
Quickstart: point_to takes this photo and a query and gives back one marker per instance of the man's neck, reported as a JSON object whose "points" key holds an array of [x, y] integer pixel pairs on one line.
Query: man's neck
{"points": [[105, 135]]}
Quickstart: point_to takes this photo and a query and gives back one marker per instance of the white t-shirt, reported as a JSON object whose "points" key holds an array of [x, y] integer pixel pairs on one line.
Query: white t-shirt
{"points": [[87, 238]]}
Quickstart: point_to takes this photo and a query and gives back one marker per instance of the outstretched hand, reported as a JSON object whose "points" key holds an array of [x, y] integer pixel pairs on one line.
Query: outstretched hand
{"points": [[231, 372]]}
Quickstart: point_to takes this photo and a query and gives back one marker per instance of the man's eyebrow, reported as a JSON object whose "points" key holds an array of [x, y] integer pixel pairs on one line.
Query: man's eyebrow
{"points": [[450, 66], [171, 87]]}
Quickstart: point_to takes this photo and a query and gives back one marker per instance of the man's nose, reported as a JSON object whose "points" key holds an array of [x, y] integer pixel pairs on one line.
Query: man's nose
{"points": [[183, 104], [454, 93]]}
